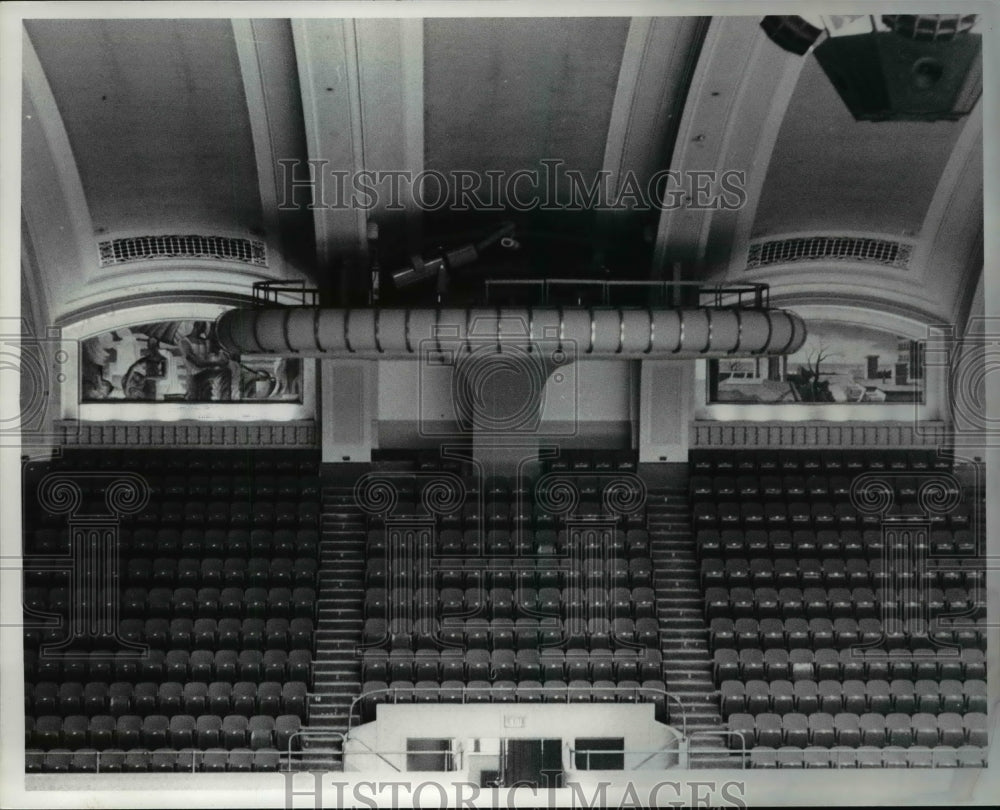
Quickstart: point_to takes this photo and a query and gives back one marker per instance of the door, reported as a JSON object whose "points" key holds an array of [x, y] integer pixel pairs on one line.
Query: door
{"points": [[535, 763]]}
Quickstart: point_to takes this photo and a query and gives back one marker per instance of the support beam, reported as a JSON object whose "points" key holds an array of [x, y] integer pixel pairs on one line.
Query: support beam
{"points": [[54, 205], [949, 252], [665, 397], [252, 38], [657, 62], [326, 52], [391, 81], [736, 102], [348, 409]]}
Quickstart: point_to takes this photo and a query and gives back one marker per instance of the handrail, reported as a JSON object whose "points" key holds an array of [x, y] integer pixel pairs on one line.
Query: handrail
{"points": [[376, 753], [741, 735], [450, 756], [313, 732], [759, 293], [650, 753], [267, 292], [638, 691], [194, 753]]}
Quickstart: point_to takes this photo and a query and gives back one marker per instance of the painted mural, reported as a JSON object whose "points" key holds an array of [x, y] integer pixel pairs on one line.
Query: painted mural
{"points": [[837, 364], [181, 361]]}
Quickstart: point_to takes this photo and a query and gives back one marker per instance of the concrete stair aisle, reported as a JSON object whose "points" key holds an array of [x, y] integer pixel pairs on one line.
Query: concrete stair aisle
{"points": [[339, 620], [687, 660]]}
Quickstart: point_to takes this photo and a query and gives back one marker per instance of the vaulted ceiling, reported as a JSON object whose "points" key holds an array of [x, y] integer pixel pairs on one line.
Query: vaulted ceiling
{"points": [[136, 128]]}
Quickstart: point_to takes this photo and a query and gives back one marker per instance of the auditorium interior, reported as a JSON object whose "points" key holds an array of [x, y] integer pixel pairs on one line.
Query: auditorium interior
{"points": [[522, 403]]}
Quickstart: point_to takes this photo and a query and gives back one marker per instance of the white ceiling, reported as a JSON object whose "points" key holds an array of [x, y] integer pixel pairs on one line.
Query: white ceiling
{"points": [[178, 126]]}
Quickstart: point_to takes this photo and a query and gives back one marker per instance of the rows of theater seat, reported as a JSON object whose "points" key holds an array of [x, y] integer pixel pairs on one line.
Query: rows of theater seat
{"points": [[569, 613], [813, 662], [569, 460], [217, 578], [191, 542]]}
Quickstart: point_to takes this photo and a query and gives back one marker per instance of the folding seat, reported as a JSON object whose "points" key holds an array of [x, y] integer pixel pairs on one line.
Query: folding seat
{"points": [[795, 730], [975, 695], [304, 572], [733, 698], [155, 731], [924, 729], [827, 664], [300, 633], [903, 697], [144, 698], [777, 696], [576, 665], [703, 515], [234, 731], [873, 729], [128, 729], [975, 725], [219, 698], [647, 632], [972, 756], [74, 731], [847, 726], [797, 634], [776, 515], [477, 634], [742, 730], [768, 729], [501, 602], [747, 633], [815, 602], [927, 697], [640, 572], [709, 543], [45, 697], [551, 663], [244, 698], [756, 546], [791, 603], [899, 730], [210, 634], [722, 634], [878, 696], [717, 603], [830, 696], [948, 729], [205, 634]]}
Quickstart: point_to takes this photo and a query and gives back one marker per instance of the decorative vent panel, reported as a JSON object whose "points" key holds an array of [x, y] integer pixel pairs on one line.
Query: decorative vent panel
{"points": [[829, 248], [146, 248]]}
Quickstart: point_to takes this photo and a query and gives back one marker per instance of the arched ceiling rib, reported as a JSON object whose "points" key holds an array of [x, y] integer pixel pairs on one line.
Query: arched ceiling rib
{"points": [[135, 127]]}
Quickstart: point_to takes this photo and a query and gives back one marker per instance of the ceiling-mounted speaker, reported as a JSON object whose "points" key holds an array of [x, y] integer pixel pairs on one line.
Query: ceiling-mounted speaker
{"points": [[892, 76], [791, 32]]}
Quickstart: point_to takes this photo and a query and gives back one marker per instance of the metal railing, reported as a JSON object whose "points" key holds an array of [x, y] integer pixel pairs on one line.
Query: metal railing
{"points": [[638, 693], [657, 293], [452, 760], [741, 752], [370, 751], [269, 292], [197, 757], [539, 291], [305, 733], [624, 753]]}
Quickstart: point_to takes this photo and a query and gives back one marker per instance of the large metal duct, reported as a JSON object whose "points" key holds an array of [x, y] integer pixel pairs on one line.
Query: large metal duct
{"points": [[577, 332]]}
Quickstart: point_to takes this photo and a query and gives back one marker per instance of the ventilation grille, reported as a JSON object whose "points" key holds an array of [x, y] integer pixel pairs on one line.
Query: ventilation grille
{"points": [[144, 248], [829, 248]]}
